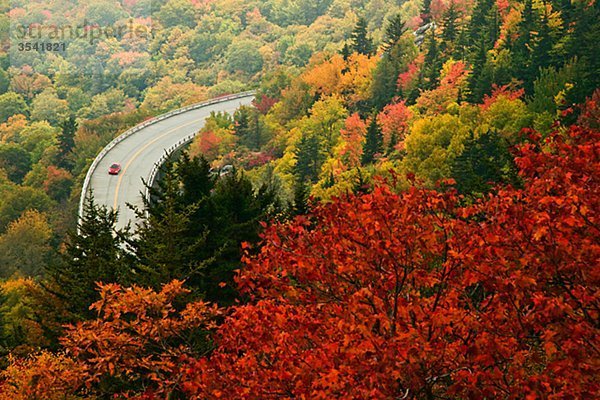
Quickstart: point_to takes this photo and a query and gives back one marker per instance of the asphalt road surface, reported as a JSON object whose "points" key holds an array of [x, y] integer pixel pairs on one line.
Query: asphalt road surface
{"points": [[138, 153]]}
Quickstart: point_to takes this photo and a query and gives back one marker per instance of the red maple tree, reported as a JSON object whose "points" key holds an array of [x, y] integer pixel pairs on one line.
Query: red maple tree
{"points": [[413, 295]]}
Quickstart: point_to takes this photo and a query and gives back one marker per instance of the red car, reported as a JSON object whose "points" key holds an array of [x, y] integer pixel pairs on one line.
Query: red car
{"points": [[114, 169]]}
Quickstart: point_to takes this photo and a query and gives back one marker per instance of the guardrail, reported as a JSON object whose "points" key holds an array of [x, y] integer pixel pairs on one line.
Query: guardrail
{"points": [[161, 161], [139, 127]]}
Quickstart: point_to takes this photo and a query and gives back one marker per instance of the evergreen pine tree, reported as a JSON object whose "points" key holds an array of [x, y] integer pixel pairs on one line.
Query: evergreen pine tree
{"points": [[522, 50], [398, 53], [247, 126], [433, 63], [426, 12], [391, 146], [485, 161], [393, 32], [385, 83], [346, 51], [583, 43], [66, 142], [241, 121], [479, 83], [301, 196], [239, 209], [164, 245], [196, 179], [373, 142], [361, 41], [482, 33], [360, 185], [268, 194], [541, 55], [533, 48], [96, 253], [309, 158], [450, 30]]}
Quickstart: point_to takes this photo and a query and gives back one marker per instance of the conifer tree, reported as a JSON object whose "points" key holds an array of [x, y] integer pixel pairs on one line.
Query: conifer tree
{"points": [[532, 50], [268, 194], [433, 62], [361, 41], [542, 49], [195, 226], [241, 121], [450, 30], [583, 43], [66, 142], [96, 253], [394, 30], [346, 51], [485, 161], [165, 245], [373, 142], [248, 128], [196, 178], [238, 209], [482, 32], [308, 158], [385, 83], [398, 53], [391, 146], [522, 56], [479, 83], [301, 196], [360, 186], [426, 12]]}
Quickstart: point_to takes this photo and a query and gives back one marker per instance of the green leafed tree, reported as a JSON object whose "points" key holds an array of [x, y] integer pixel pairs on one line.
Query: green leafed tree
{"points": [[243, 55], [177, 13], [25, 247], [12, 103], [15, 160]]}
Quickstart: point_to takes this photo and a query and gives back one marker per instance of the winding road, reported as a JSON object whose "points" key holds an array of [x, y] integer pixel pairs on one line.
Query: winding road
{"points": [[140, 148]]}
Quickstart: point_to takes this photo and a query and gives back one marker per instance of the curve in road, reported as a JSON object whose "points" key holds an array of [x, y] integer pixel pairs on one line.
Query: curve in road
{"points": [[138, 152]]}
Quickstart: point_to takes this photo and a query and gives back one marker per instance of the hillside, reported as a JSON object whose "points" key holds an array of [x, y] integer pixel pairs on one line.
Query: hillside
{"points": [[409, 208]]}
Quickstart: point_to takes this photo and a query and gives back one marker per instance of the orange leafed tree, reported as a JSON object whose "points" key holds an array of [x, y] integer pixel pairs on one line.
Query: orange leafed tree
{"points": [[206, 143], [350, 78], [353, 136], [413, 296], [452, 83], [44, 376], [136, 346]]}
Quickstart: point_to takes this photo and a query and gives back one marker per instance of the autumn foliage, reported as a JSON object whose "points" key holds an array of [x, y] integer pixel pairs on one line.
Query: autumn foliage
{"points": [[384, 295], [44, 376], [136, 345], [412, 295], [394, 121]]}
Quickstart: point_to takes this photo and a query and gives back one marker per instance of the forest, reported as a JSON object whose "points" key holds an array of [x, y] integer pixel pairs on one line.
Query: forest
{"points": [[413, 210]]}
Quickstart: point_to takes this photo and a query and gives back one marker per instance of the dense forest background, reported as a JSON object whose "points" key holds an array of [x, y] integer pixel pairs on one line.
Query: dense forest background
{"points": [[356, 100]]}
